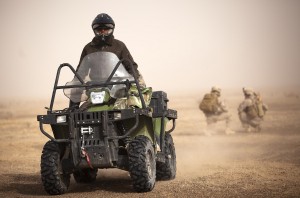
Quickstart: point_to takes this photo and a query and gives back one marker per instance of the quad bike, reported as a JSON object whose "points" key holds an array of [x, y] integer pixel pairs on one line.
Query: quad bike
{"points": [[111, 122]]}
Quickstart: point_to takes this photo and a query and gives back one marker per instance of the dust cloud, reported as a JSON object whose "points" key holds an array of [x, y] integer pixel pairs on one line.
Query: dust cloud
{"points": [[226, 43]]}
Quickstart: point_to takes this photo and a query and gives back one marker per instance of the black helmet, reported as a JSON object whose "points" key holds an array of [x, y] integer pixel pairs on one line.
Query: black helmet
{"points": [[103, 21]]}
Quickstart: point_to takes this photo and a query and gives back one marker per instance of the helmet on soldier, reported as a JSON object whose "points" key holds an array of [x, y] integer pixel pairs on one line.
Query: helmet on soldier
{"points": [[216, 90], [248, 91]]}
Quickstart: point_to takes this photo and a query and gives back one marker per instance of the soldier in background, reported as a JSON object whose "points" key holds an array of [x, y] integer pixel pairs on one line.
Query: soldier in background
{"points": [[215, 110], [252, 110]]}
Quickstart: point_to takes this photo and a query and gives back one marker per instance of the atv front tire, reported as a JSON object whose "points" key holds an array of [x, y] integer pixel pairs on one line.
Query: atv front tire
{"points": [[167, 170], [86, 175], [55, 182], [142, 165]]}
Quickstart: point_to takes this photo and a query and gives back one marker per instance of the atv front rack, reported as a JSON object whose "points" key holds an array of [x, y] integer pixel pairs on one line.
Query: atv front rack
{"points": [[79, 118]]}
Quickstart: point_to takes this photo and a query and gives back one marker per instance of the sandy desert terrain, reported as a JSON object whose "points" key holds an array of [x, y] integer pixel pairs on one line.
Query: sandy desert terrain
{"points": [[265, 164]]}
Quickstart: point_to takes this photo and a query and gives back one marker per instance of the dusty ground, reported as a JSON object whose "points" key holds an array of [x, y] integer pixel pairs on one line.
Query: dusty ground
{"points": [[265, 164]]}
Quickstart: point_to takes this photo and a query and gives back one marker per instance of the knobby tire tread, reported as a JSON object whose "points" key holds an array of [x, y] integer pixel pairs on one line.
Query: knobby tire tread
{"points": [[54, 183], [137, 153], [166, 170]]}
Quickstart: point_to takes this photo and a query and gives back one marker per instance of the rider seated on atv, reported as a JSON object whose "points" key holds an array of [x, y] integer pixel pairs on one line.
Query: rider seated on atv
{"points": [[104, 41]]}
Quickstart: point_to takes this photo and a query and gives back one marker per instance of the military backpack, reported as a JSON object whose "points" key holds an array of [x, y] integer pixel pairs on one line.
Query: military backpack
{"points": [[260, 108], [209, 103], [255, 110]]}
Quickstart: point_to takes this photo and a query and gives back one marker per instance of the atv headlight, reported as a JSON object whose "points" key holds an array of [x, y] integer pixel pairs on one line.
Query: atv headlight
{"points": [[97, 97], [61, 119], [117, 115]]}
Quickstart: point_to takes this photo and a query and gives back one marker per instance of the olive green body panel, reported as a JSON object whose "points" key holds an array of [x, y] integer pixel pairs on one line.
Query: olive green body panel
{"points": [[100, 108], [149, 127], [144, 128], [157, 125]]}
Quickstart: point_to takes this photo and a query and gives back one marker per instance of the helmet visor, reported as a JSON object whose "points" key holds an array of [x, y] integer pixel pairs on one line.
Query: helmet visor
{"points": [[103, 31], [103, 25]]}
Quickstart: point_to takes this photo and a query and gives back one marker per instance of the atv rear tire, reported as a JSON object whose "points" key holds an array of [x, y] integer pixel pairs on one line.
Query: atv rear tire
{"points": [[86, 175], [55, 182], [142, 165], [167, 170]]}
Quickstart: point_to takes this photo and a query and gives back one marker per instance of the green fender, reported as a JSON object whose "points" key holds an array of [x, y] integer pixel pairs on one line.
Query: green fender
{"points": [[149, 127]]}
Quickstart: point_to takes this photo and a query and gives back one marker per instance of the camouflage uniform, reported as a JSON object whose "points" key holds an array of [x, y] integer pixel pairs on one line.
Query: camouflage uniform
{"points": [[248, 112], [221, 113]]}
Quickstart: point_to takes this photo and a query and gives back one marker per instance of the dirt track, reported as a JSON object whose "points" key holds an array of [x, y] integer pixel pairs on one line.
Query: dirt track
{"points": [[265, 164]]}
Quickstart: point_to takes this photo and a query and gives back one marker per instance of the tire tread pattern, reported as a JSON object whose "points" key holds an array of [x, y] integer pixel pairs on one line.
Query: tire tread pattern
{"points": [[137, 153], [54, 182], [166, 170]]}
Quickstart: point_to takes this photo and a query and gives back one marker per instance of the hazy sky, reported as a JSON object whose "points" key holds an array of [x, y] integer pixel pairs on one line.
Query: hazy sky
{"points": [[189, 45]]}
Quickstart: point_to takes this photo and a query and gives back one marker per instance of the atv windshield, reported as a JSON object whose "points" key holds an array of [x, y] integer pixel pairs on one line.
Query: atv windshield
{"points": [[95, 68]]}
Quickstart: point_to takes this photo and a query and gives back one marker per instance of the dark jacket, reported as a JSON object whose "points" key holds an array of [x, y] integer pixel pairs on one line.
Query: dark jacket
{"points": [[111, 45]]}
